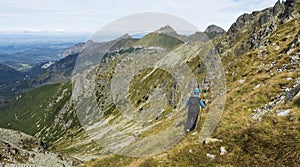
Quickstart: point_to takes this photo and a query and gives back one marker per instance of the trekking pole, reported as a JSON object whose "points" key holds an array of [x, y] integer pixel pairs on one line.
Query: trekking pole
{"points": [[201, 115]]}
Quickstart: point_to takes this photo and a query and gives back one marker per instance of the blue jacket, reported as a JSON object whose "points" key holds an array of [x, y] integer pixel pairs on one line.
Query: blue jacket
{"points": [[200, 102]]}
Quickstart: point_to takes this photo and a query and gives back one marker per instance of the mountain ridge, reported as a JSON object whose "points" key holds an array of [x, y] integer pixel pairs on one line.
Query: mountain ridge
{"points": [[260, 54]]}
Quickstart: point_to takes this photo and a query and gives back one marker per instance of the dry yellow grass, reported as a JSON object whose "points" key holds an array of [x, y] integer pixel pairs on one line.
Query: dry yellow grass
{"points": [[249, 143]]}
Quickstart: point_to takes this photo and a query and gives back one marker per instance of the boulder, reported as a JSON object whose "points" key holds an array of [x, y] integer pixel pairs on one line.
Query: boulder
{"points": [[292, 93], [195, 133], [211, 156], [241, 81], [282, 113], [211, 140], [42, 145], [257, 86], [223, 151], [291, 119]]}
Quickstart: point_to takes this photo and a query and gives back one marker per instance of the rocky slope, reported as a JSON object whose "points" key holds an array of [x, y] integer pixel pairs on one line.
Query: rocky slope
{"points": [[19, 149], [260, 123], [54, 105], [252, 31]]}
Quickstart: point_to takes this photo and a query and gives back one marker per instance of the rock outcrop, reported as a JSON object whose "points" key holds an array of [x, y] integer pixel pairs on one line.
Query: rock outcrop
{"points": [[19, 149], [256, 27]]}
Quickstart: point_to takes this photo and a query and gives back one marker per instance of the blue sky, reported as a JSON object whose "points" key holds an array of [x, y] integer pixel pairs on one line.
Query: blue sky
{"points": [[91, 15]]}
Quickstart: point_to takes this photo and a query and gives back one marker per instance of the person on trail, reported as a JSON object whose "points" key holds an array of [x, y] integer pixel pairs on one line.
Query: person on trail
{"points": [[194, 102]]}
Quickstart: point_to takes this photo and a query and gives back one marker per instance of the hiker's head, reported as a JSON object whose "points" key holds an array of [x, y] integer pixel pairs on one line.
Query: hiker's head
{"points": [[197, 91]]}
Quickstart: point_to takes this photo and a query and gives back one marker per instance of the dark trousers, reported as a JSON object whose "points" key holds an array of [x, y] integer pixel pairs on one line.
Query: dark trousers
{"points": [[191, 120]]}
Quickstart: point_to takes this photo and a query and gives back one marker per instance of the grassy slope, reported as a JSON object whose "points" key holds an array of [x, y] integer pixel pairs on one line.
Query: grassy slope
{"points": [[248, 142], [123, 43], [159, 40], [9, 75], [36, 109]]}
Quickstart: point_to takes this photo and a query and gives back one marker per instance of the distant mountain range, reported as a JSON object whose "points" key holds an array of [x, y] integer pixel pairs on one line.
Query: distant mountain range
{"points": [[35, 73], [24, 50], [259, 126]]}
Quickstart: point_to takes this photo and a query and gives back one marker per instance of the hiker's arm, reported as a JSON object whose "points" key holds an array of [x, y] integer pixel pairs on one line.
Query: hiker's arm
{"points": [[202, 103]]}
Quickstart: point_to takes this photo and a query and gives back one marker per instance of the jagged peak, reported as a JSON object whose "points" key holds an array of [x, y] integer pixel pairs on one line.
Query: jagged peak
{"points": [[126, 36], [214, 28], [282, 10], [167, 29], [123, 37]]}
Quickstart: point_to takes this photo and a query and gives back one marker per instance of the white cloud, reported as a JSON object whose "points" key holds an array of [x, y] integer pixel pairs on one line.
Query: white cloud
{"points": [[79, 15]]}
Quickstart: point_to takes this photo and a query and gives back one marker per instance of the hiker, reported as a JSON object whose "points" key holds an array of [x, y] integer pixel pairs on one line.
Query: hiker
{"points": [[194, 102]]}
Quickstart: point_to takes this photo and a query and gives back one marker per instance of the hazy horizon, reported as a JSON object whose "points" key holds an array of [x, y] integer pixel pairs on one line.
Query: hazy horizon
{"points": [[78, 17]]}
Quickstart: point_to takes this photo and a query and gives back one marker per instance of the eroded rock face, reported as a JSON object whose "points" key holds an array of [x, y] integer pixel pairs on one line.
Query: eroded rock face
{"points": [[290, 10], [241, 22], [278, 8], [258, 26], [266, 17], [20, 149]]}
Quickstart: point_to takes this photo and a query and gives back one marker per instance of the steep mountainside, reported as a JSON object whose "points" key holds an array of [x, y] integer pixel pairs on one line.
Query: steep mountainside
{"points": [[13, 82], [259, 126], [252, 31], [8, 77]]}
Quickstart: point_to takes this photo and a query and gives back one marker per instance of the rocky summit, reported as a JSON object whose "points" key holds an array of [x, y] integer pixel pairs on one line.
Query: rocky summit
{"points": [[214, 28], [166, 30]]}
